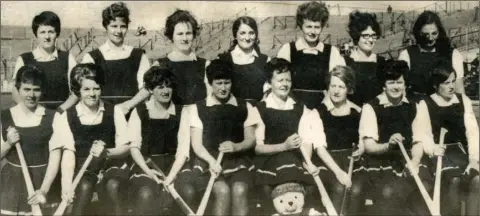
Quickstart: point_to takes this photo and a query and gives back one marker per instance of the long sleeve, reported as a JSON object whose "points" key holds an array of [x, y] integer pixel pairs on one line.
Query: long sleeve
{"points": [[71, 64], [284, 52], [471, 129], [422, 128], [88, 59], [403, 56], [142, 69], [335, 59], [183, 147]]}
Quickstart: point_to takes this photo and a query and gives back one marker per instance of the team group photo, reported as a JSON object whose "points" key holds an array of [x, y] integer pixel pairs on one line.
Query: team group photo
{"points": [[238, 108]]}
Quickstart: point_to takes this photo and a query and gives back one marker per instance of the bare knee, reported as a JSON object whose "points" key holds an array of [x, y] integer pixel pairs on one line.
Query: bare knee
{"points": [[240, 189]]}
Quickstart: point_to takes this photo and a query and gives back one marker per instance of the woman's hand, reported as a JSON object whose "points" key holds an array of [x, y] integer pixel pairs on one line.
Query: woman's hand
{"points": [[98, 148]]}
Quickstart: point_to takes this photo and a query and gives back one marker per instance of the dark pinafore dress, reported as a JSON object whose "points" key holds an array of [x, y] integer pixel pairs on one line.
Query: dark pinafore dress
{"points": [[34, 142], [159, 146], [340, 133], [390, 167], [223, 123], [120, 75], [248, 79], [455, 160], [310, 72], [421, 67], [57, 90], [367, 75], [189, 80], [100, 169], [285, 166]]}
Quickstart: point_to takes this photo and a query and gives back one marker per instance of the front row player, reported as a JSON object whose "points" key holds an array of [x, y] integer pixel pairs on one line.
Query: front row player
{"points": [[224, 123]]}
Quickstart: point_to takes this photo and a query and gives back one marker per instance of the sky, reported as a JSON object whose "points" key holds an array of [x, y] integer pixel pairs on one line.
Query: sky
{"points": [[152, 14]]}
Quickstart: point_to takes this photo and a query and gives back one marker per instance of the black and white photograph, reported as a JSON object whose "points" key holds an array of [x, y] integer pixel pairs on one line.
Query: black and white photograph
{"points": [[240, 108]]}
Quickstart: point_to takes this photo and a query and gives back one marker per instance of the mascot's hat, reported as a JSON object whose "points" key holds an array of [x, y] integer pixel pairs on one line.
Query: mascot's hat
{"points": [[287, 187]]}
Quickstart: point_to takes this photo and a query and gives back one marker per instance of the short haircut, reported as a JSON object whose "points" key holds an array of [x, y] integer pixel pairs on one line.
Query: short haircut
{"points": [[46, 18], [113, 11], [359, 22], [440, 74], [85, 71], [158, 76], [219, 69], [393, 70], [180, 16], [344, 73], [31, 74], [278, 65], [313, 11]]}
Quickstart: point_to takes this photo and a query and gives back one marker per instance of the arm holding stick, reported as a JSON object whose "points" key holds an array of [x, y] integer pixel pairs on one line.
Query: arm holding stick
{"points": [[28, 180], [206, 196], [438, 173]]}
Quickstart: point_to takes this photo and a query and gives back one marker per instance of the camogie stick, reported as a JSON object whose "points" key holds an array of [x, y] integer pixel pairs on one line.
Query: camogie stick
{"points": [[350, 171], [63, 205], [327, 202], [438, 173], [169, 188], [28, 180], [208, 191], [421, 187]]}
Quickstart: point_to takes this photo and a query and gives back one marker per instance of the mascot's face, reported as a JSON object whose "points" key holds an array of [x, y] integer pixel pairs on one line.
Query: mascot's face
{"points": [[289, 203]]}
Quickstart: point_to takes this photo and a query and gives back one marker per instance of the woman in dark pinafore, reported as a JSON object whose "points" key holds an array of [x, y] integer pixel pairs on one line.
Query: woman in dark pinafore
{"points": [[153, 128], [98, 128], [310, 57], [433, 48], [34, 128], [453, 112], [248, 62], [341, 119], [55, 63], [364, 31], [122, 64]]}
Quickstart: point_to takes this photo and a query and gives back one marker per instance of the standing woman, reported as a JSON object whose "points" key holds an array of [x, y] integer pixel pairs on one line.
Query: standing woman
{"points": [[364, 31], [311, 59], [248, 62], [55, 63], [453, 112], [97, 128], [33, 126], [433, 47], [122, 64], [153, 128], [341, 119]]}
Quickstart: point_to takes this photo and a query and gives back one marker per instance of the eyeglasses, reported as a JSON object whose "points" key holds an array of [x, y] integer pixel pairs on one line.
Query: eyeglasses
{"points": [[368, 36]]}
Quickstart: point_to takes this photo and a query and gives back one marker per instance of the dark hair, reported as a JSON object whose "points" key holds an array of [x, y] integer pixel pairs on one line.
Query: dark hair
{"points": [[314, 11], [359, 22], [428, 17], [249, 21], [440, 74], [47, 18], [219, 69], [31, 74], [278, 65], [392, 70], [85, 71], [158, 76], [344, 73], [113, 11], [180, 16]]}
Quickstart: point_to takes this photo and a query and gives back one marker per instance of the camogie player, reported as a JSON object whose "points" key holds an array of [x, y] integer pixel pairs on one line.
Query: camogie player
{"points": [[311, 59], [453, 112], [248, 62], [55, 63], [97, 128]]}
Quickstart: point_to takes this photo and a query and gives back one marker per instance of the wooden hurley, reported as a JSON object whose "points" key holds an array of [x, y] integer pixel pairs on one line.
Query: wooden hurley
{"points": [[63, 205], [208, 191], [327, 202], [28, 180], [350, 171], [171, 189], [421, 187], [438, 173]]}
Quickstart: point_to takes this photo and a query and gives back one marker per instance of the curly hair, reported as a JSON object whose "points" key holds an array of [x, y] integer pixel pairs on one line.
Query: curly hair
{"points": [[359, 22], [278, 65], [314, 11], [31, 74], [47, 18], [219, 69], [113, 11], [393, 70], [180, 16], [85, 71], [158, 76]]}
